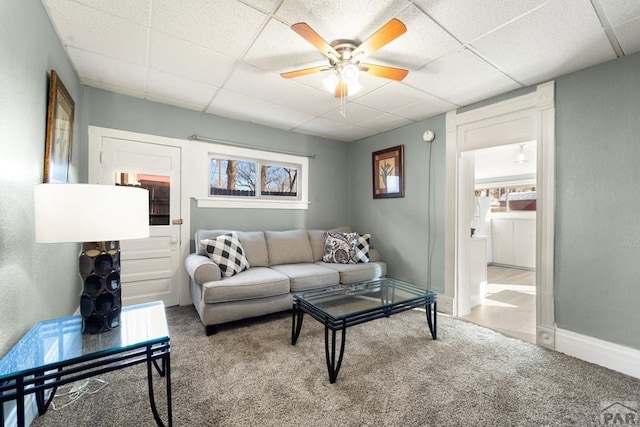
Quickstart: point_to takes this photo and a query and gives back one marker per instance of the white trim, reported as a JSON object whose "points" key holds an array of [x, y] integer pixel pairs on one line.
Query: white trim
{"points": [[613, 356], [523, 118], [201, 154], [96, 134]]}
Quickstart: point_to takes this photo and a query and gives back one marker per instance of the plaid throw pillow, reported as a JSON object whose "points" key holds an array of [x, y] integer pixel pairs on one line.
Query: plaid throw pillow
{"points": [[361, 248], [227, 252]]}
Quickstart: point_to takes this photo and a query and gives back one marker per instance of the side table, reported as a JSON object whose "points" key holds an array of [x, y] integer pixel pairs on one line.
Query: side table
{"points": [[55, 352]]}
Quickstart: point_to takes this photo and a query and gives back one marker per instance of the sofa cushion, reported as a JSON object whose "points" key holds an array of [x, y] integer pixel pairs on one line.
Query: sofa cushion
{"points": [[288, 247], [308, 276], [338, 247], [351, 273], [316, 238], [255, 247], [361, 248], [256, 282], [226, 251]]}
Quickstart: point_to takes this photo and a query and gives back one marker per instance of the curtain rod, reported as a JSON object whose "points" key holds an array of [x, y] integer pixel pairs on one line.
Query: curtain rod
{"points": [[195, 137]]}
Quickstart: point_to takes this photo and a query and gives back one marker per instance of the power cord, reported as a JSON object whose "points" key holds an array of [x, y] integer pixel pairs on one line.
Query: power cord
{"points": [[68, 394]]}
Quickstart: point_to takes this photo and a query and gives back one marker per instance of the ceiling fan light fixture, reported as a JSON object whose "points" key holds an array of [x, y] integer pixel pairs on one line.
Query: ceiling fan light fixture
{"points": [[521, 159], [350, 74], [331, 82]]}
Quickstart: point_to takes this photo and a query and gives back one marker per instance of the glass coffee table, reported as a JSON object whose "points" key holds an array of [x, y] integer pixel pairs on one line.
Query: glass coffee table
{"points": [[340, 307]]}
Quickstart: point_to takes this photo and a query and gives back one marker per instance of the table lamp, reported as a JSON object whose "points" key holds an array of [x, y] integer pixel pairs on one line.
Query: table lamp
{"points": [[98, 216]]}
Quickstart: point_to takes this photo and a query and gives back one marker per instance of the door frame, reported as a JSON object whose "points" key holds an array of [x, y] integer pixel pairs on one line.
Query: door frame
{"points": [[522, 118], [96, 134]]}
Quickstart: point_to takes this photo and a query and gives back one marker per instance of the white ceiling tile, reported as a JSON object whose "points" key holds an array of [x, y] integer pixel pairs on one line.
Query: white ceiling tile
{"points": [[385, 122], [96, 31], [183, 58], [354, 113], [172, 87], [333, 20], [323, 126], [108, 72], [628, 34], [242, 107], [423, 42], [545, 44], [424, 109], [278, 48], [620, 11], [460, 78], [222, 25], [353, 133], [391, 97], [262, 5], [136, 93], [468, 19], [137, 11]]}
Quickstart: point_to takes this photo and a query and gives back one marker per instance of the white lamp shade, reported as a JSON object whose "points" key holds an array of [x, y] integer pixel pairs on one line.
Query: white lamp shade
{"points": [[90, 213]]}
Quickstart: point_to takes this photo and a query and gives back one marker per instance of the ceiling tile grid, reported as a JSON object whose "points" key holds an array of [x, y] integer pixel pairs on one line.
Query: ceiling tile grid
{"points": [[224, 56]]}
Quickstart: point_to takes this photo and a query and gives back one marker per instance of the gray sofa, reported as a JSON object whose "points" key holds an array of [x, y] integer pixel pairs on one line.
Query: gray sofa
{"points": [[281, 262]]}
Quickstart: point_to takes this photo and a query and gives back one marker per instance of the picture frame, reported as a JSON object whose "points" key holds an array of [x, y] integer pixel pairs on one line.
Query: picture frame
{"points": [[388, 172], [59, 136]]}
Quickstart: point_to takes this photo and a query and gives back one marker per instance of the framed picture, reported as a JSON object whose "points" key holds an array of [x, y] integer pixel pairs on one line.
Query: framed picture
{"points": [[388, 172], [57, 148]]}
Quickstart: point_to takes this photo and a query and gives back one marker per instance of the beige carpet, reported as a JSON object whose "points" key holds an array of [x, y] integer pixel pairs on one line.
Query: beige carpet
{"points": [[393, 374]]}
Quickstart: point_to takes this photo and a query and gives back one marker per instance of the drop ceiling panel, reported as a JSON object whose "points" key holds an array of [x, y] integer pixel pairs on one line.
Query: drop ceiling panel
{"points": [[100, 32], [262, 5], [168, 88], [545, 44], [391, 97], [322, 126], [424, 109], [224, 26], [620, 11], [108, 72], [354, 114], [242, 107], [385, 122], [628, 35], [183, 58], [137, 11], [353, 133], [332, 20], [460, 78]]}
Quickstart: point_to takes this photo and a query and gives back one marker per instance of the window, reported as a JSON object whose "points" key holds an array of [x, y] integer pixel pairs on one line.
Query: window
{"points": [[241, 177]]}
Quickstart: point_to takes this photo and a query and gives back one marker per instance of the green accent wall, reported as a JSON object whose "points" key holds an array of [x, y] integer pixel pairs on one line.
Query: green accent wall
{"points": [[37, 281], [597, 286]]}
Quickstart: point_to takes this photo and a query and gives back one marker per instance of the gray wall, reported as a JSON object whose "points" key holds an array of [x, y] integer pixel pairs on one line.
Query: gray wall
{"points": [[598, 201], [328, 171], [399, 226], [37, 281]]}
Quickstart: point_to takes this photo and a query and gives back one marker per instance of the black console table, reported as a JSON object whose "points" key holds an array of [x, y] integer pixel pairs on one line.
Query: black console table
{"points": [[55, 352]]}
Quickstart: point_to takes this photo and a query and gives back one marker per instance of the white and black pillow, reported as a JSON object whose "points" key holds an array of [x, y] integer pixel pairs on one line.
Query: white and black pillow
{"points": [[339, 247], [361, 248], [226, 251]]}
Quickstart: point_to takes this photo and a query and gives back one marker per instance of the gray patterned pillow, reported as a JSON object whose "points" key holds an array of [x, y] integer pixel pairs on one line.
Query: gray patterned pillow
{"points": [[227, 252], [339, 247], [361, 248]]}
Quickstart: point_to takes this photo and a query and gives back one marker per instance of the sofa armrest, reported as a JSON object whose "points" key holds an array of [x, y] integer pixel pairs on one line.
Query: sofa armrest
{"points": [[201, 269], [374, 255]]}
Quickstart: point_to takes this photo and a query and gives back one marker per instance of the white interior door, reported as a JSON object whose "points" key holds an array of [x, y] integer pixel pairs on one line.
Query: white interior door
{"points": [[150, 267]]}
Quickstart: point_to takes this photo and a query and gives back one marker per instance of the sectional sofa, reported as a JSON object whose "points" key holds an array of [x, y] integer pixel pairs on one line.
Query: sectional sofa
{"points": [[280, 263]]}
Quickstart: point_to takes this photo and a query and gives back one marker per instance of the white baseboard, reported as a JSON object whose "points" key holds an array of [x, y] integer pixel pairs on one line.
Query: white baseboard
{"points": [[445, 304], [613, 356]]}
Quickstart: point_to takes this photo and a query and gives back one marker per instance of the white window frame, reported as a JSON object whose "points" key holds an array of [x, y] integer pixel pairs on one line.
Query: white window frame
{"points": [[205, 151]]}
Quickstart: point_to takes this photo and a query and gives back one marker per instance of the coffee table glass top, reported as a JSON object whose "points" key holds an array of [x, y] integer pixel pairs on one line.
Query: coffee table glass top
{"points": [[344, 301], [55, 341]]}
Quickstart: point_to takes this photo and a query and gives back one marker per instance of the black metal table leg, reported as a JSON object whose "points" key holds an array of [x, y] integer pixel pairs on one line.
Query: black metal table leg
{"points": [[432, 322], [333, 366], [167, 375], [296, 324]]}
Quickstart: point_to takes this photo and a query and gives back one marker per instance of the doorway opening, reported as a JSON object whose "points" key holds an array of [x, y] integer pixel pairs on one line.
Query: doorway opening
{"points": [[504, 220]]}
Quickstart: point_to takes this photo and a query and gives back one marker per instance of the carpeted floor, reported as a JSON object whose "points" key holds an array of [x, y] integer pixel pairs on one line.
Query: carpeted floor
{"points": [[393, 374]]}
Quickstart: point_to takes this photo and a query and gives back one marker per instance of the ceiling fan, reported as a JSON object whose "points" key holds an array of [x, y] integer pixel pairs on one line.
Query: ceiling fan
{"points": [[345, 58]]}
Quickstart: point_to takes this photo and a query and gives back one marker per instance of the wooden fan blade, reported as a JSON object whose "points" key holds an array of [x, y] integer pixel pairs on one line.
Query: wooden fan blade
{"points": [[312, 37], [341, 89], [388, 32], [304, 72], [385, 72]]}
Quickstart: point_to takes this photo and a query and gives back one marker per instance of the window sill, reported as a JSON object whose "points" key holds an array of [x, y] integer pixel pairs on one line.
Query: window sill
{"points": [[251, 204]]}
